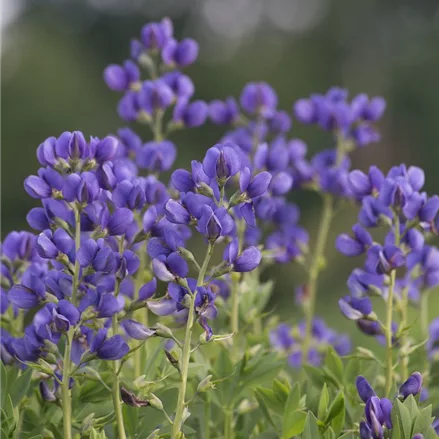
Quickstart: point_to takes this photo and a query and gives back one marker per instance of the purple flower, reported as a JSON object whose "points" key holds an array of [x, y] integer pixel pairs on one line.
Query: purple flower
{"points": [[121, 78], [119, 222], [153, 96], [364, 388], [167, 268], [29, 293], [156, 35], [148, 290], [224, 112], [383, 260], [259, 97], [81, 187], [412, 386], [96, 254], [180, 84], [180, 54], [248, 260], [113, 348], [354, 246], [213, 224], [136, 330], [190, 114], [156, 156], [281, 337], [256, 186], [355, 309], [129, 194], [49, 244], [222, 161]]}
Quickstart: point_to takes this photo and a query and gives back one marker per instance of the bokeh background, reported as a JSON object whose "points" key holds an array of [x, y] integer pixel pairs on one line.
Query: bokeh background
{"points": [[54, 51]]}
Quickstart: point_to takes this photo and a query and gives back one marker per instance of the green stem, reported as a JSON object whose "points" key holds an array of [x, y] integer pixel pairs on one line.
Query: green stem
{"points": [[184, 366], [389, 319], [234, 319], [141, 315], [65, 387], [322, 238], [424, 330], [235, 307], [228, 425], [207, 412], [66, 397], [403, 323], [116, 385], [389, 344]]}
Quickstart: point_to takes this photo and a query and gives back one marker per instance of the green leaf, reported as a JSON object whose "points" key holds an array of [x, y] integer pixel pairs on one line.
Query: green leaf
{"points": [[295, 424], [316, 375], [338, 422], [20, 387], [281, 390], [347, 436], [38, 436], [264, 409], [311, 430], [422, 421], [411, 404], [293, 401], [334, 364], [337, 406], [330, 434], [293, 419], [323, 402], [401, 420], [4, 383], [270, 399]]}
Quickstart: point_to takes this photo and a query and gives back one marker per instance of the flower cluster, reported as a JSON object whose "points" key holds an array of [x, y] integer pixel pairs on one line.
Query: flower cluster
{"points": [[289, 341], [378, 410], [394, 200], [115, 256]]}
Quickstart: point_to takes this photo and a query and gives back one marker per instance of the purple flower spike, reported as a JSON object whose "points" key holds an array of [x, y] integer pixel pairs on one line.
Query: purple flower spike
{"points": [[412, 386], [364, 388], [137, 330]]}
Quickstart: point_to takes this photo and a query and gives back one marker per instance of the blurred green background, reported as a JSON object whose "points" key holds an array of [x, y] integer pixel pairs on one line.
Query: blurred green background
{"points": [[54, 52]]}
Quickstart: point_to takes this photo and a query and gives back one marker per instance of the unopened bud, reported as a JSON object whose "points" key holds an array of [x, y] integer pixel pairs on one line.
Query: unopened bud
{"points": [[172, 359], [163, 331], [155, 402], [205, 384]]}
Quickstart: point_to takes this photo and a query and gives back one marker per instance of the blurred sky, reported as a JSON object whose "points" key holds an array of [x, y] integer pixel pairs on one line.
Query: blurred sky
{"points": [[54, 52]]}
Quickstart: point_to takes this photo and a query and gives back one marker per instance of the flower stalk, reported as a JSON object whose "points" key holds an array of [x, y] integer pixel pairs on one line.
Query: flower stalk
{"points": [[184, 366]]}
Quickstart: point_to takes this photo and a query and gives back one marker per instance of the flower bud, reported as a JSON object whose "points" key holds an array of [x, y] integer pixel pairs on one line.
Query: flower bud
{"points": [[412, 386], [206, 384]]}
